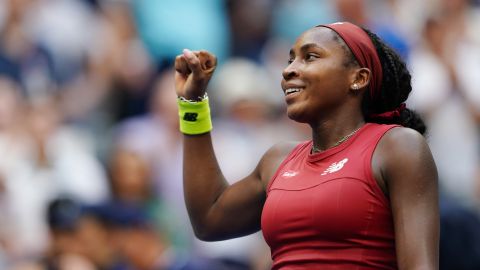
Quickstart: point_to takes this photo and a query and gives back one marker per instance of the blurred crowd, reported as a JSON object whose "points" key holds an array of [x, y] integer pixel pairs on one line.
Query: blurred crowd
{"points": [[90, 152]]}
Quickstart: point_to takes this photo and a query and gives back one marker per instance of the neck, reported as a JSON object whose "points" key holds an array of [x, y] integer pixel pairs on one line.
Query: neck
{"points": [[328, 134]]}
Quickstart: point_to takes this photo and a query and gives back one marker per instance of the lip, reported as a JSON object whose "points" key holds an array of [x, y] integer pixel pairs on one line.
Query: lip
{"points": [[286, 85], [291, 86], [295, 90], [291, 97]]}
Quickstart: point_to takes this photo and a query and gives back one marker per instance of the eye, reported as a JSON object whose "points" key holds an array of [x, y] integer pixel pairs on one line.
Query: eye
{"points": [[290, 60], [310, 56]]}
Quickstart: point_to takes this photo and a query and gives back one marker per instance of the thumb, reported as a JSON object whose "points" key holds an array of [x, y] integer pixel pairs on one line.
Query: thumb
{"points": [[193, 62]]}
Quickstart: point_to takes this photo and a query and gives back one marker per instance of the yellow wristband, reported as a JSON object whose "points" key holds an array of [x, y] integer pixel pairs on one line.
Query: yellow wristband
{"points": [[194, 116]]}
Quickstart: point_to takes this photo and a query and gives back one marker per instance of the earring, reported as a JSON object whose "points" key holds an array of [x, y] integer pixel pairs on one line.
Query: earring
{"points": [[355, 86]]}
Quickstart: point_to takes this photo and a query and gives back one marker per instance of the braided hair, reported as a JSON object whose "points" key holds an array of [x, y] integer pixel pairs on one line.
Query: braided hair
{"points": [[396, 86]]}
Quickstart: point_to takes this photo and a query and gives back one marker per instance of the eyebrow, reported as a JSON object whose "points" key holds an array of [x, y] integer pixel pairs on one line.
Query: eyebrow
{"points": [[307, 46]]}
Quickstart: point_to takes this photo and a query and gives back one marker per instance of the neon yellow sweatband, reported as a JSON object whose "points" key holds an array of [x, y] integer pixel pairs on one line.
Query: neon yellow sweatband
{"points": [[194, 116]]}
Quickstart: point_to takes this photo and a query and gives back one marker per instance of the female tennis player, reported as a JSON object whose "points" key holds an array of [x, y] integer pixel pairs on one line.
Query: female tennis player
{"points": [[361, 194]]}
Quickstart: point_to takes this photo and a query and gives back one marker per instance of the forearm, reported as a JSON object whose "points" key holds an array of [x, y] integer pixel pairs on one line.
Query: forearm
{"points": [[217, 210], [202, 178]]}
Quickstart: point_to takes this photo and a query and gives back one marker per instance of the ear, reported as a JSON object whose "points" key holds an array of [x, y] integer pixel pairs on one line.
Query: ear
{"points": [[360, 79]]}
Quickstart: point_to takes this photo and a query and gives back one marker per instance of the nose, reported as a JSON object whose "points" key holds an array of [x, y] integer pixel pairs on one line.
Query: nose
{"points": [[290, 71]]}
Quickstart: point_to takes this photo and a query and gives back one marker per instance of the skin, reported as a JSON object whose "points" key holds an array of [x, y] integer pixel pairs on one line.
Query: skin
{"points": [[402, 163]]}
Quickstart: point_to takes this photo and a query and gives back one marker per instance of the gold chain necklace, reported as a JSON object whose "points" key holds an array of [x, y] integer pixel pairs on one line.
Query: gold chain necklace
{"points": [[343, 139]]}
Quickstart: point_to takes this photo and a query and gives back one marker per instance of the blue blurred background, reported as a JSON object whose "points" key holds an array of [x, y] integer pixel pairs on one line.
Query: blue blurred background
{"points": [[90, 152]]}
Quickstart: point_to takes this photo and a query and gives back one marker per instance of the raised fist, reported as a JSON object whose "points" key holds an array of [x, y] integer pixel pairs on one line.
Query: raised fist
{"points": [[193, 72]]}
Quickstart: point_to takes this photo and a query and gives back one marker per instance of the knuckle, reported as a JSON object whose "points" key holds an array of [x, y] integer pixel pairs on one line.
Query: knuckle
{"points": [[195, 62]]}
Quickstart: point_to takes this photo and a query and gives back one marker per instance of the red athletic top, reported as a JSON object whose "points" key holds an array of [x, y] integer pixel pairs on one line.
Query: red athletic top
{"points": [[326, 211]]}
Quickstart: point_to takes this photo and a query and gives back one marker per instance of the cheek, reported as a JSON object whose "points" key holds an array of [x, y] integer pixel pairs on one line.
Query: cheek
{"points": [[328, 71], [329, 86]]}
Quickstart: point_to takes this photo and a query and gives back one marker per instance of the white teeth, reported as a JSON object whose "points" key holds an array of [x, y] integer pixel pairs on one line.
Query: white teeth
{"points": [[292, 90]]}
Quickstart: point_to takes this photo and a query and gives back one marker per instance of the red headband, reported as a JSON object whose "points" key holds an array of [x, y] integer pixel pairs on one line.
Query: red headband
{"points": [[364, 51]]}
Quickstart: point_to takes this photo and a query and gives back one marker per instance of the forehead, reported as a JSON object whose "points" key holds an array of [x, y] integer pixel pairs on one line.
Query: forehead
{"points": [[320, 36]]}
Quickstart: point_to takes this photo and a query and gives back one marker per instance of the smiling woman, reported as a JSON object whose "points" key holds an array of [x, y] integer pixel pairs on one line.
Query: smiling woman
{"points": [[362, 194], [316, 56]]}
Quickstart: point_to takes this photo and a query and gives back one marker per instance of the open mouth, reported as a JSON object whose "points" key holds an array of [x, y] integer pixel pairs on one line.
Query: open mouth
{"points": [[292, 90]]}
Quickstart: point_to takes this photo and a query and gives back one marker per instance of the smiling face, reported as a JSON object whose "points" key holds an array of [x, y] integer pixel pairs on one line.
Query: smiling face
{"points": [[317, 80]]}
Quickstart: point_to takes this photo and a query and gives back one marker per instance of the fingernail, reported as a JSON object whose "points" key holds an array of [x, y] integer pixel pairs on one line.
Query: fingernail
{"points": [[187, 53]]}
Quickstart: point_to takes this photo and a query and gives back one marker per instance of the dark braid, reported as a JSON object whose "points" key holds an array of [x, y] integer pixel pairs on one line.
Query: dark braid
{"points": [[396, 86]]}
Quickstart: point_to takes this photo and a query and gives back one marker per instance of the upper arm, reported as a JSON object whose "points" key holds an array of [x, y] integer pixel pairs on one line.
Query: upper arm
{"points": [[410, 174], [237, 211]]}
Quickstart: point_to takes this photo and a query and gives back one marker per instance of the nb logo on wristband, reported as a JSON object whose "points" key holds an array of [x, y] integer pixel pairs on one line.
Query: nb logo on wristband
{"points": [[190, 117]]}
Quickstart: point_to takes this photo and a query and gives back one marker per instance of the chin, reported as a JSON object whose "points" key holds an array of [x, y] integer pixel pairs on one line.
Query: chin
{"points": [[296, 116]]}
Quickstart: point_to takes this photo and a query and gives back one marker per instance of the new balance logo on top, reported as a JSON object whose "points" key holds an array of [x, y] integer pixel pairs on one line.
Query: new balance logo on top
{"points": [[289, 174], [335, 167]]}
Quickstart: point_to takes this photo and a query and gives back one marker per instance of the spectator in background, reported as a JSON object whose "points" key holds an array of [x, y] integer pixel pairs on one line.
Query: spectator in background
{"points": [[66, 29], [42, 159], [249, 27], [80, 240], [143, 245], [11, 138], [130, 69], [64, 217], [446, 79], [461, 16], [459, 236], [117, 76], [21, 56], [408, 15], [81, 237], [130, 177], [132, 184]]}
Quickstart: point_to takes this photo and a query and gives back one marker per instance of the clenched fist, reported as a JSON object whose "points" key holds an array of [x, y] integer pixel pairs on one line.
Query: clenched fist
{"points": [[193, 72]]}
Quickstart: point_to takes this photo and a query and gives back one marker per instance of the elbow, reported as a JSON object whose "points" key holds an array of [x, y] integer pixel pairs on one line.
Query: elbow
{"points": [[209, 232], [204, 234], [200, 229], [207, 227]]}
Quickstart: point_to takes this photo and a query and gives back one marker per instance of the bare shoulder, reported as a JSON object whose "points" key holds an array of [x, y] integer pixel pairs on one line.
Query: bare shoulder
{"points": [[402, 137], [272, 159], [404, 151], [403, 142]]}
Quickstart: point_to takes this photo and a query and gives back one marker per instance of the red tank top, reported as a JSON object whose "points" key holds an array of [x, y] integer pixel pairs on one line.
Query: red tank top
{"points": [[326, 211]]}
